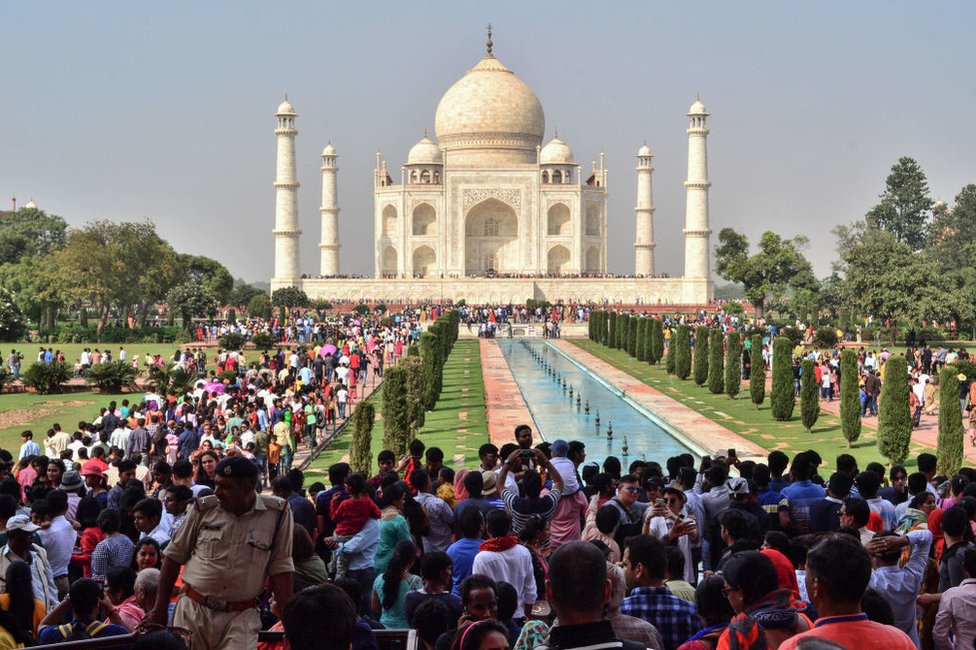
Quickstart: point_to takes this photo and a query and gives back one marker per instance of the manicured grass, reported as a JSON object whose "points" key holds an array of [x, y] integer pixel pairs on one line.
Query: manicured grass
{"points": [[39, 412], [741, 416], [457, 425]]}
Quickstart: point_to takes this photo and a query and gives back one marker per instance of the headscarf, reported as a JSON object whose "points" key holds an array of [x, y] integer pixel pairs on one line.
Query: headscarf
{"points": [[785, 572], [935, 527], [460, 492]]}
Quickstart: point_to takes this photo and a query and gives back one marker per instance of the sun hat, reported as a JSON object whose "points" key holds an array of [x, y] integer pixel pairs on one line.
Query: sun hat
{"points": [[21, 522], [72, 481]]}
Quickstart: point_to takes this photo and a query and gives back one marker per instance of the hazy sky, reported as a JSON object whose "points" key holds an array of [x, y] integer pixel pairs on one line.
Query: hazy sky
{"points": [[126, 110]]}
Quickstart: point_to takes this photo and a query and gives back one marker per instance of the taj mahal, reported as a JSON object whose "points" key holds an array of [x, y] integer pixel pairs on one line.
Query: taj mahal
{"points": [[487, 213]]}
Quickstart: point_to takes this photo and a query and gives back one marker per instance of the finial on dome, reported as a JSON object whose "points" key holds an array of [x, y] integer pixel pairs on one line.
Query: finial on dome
{"points": [[425, 133], [697, 97], [556, 134], [489, 43], [286, 97]]}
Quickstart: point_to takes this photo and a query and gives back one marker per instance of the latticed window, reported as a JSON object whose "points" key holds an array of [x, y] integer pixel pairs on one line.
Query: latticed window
{"points": [[491, 227]]}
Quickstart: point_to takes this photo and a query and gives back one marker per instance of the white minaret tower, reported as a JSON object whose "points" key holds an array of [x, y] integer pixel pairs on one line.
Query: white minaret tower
{"points": [[644, 244], [286, 231], [696, 187], [329, 245]]}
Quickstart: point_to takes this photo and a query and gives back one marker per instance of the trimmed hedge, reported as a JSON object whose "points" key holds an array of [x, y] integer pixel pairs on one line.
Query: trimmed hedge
{"points": [[950, 444], [716, 366], [682, 348], [783, 398], [850, 397], [733, 364], [757, 375], [894, 413], [701, 358], [809, 395]]}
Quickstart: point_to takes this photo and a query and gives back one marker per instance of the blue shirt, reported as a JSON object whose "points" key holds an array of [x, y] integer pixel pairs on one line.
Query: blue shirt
{"points": [[361, 549], [801, 495], [52, 633], [462, 554], [673, 617]]}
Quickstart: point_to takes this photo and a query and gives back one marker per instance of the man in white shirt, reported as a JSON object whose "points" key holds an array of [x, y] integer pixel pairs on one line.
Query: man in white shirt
{"points": [[58, 539], [955, 624], [502, 558]]}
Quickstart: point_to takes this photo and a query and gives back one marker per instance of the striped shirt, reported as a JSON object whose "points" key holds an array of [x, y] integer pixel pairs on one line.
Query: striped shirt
{"points": [[522, 508]]}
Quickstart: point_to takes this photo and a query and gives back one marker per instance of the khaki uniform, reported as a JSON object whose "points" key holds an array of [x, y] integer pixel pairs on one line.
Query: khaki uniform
{"points": [[229, 558]]}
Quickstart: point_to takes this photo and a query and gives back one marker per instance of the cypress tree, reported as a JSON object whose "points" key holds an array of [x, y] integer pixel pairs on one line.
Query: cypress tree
{"points": [[413, 350], [716, 366], [682, 348], [657, 342], [645, 354], [632, 336], [415, 394], [701, 358], [428, 360], [641, 331], [809, 395], [733, 364], [783, 398], [894, 413], [360, 455], [395, 411], [850, 397], [949, 450], [612, 330], [757, 376], [589, 326], [622, 330]]}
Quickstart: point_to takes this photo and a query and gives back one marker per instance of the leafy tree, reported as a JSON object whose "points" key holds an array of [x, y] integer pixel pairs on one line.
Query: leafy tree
{"points": [[396, 412], [783, 397], [733, 364], [905, 205], [260, 306], [950, 443], [612, 330], [212, 274], [415, 394], [46, 378], [894, 415], [657, 341], [360, 454], [290, 297], [768, 272], [757, 375], [170, 377], [682, 348], [632, 336], [716, 365], [29, 232], [34, 286], [192, 300], [809, 395], [825, 338], [111, 377], [13, 325], [701, 358], [242, 294], [850, 397]]}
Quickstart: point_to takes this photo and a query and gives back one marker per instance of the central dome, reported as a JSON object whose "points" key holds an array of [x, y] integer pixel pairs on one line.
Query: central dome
{"points": [[490, 116]]}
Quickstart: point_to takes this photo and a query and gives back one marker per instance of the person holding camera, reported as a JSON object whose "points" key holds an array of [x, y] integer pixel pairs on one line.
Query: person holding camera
{"points": [[533, 503], [668, 520]]}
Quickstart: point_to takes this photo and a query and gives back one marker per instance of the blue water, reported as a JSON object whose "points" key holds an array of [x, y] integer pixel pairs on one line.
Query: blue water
{"points": [[540, 372]]}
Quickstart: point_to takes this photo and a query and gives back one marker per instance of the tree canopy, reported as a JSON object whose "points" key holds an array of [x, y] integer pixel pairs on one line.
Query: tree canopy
{"points": [[905, 206]]}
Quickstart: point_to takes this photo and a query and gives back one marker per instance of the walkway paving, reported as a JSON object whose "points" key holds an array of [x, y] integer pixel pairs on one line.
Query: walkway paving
{"points": [[303, 455], [504, 404], [705, 433]]}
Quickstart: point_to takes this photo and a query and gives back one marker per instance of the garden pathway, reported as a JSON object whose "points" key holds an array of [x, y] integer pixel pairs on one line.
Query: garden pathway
{"points": [[504, 404]]}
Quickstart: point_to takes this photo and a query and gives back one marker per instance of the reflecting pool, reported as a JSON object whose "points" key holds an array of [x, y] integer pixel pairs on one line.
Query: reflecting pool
{"points": [[568, 402]]}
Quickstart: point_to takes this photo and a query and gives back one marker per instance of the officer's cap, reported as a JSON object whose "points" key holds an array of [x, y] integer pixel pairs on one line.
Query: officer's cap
{"points": [[237, 467]]}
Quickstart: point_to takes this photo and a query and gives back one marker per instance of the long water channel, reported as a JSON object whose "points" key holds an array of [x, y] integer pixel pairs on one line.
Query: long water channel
{"points": [[568, 402]]}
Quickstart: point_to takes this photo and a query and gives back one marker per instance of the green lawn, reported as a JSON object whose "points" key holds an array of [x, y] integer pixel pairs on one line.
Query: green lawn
{"points": [[20, 411], [72, 351], [457, 424], [741, 416]]}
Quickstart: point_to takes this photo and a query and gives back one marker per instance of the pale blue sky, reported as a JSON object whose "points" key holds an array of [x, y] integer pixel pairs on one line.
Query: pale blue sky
{"points": [[124, 110]]}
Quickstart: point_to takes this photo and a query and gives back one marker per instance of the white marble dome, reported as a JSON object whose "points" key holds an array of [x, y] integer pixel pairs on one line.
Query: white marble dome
{"points": [[697, 108], [285, 108], [644, 151], [556, 152], [329, 150], [490, 115], [424, 152]]}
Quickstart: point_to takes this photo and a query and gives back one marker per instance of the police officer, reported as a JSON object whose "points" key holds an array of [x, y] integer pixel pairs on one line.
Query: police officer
{"points": [[230, 542]]}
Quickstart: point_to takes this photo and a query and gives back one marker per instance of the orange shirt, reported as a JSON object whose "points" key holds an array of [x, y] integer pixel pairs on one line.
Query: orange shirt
{"points": [[842, 629]]}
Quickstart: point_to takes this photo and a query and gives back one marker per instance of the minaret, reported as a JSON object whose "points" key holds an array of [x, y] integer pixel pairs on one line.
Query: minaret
{"points": [[644, 244], [696, 187], [286, 231], [330, 213]]}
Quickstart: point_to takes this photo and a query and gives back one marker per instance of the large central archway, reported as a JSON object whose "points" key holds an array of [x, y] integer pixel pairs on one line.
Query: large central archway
{"points": [[491, 236]]}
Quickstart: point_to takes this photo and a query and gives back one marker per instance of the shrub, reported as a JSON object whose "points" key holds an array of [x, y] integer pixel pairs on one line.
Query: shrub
{"points": [[415, 395], [428, 357], [966, 367], [360, 454], [260, 306], [733, 308], [289, 297], [111, 377], [612, 330], [413, 350], [643, 338], [362, 310], [716, 367], [950, 444], [623, 331], [13, 324], [46, 378], [894, 413], [657, 342], [794, 335], [700, 360], [682, 348], [825, 338], [5, 377], [232, 341], [733, 364], [263, 341], [395, 410], [228, 375], [632, 336], [757, 375], [809, 395], [231, 315], [850, 398], [783, 398]]}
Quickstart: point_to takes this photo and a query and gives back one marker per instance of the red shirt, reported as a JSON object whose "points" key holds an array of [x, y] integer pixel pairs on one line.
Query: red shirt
{"points": [[844, 629], [350, 515]]}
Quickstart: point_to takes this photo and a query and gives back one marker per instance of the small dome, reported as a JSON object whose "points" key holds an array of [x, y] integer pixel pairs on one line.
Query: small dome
{"points": [[30, 205], [285, 108], [644, 151], [329, 150], [556, 152], [697, 108], [424, 152]]}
